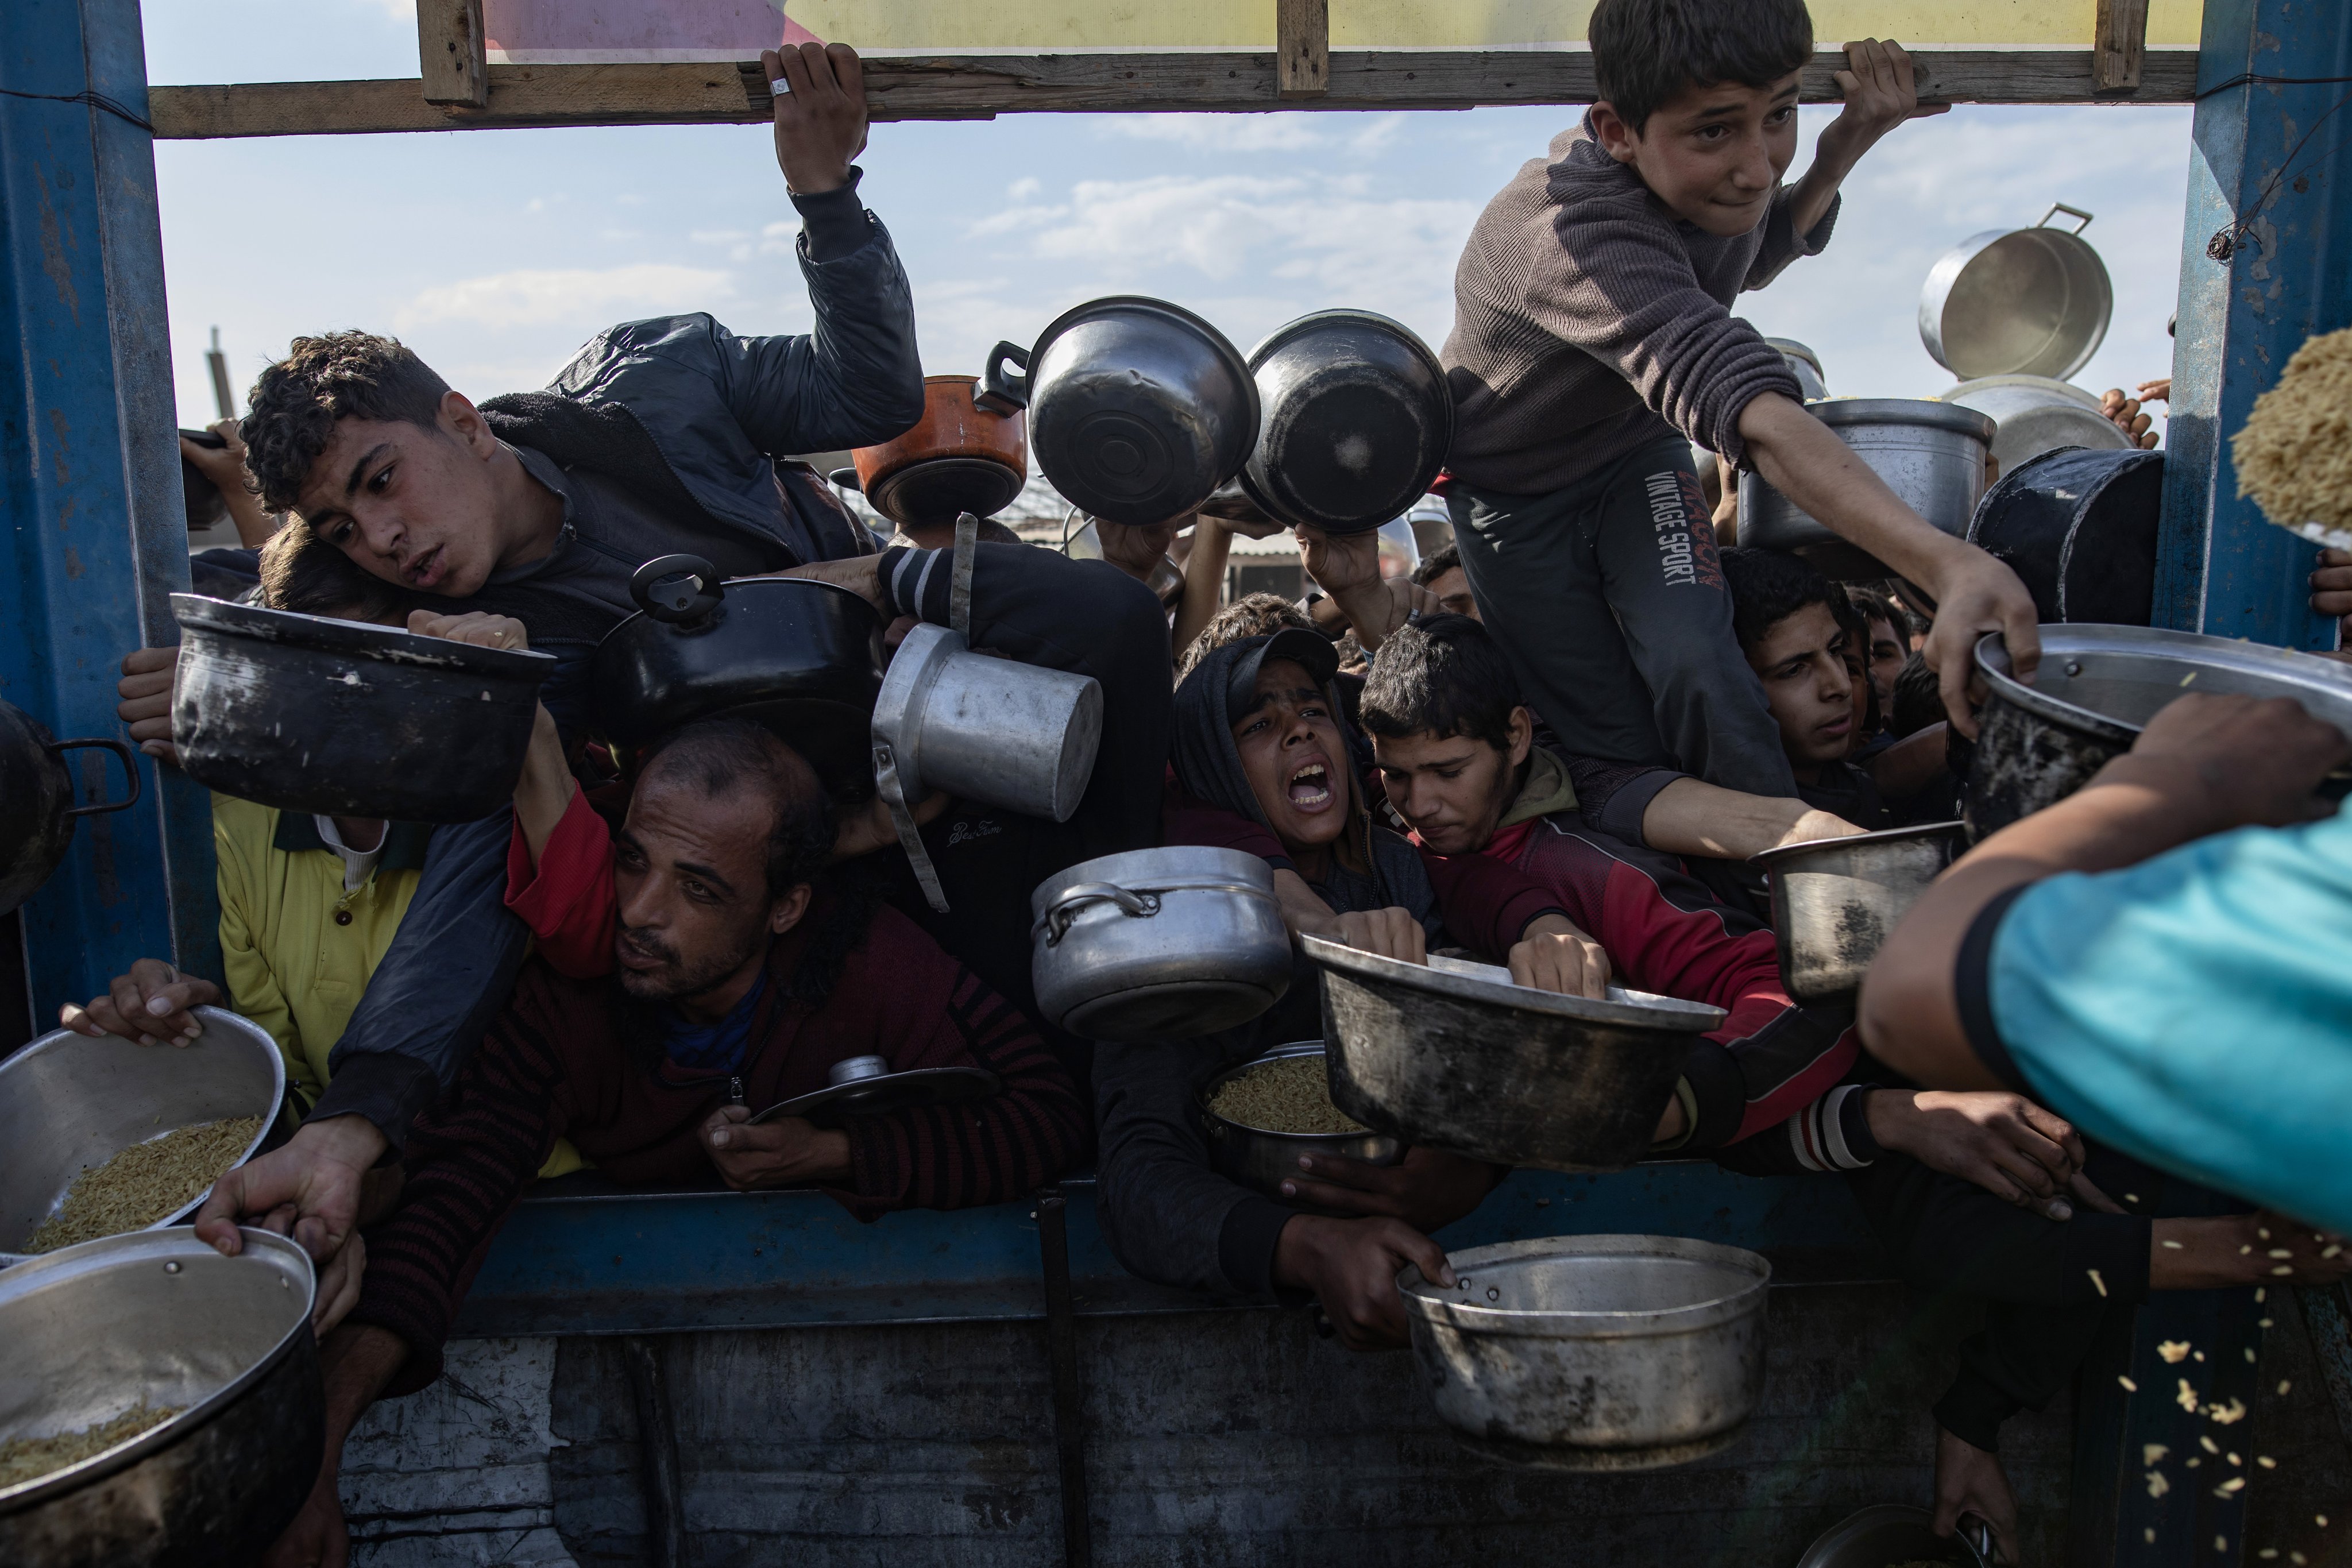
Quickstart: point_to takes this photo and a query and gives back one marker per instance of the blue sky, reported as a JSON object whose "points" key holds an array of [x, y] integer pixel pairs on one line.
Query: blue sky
{"points": [[495, 254]]}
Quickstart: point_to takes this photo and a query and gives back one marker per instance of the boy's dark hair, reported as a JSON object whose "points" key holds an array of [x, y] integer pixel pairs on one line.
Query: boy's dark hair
{"points": [[1767, 587], [342, 375], [1252, 616], [1877, 606], [303, 573], [1644, 52], [1918, 699], [1437, 566], [722, 755], [1442, 676]]}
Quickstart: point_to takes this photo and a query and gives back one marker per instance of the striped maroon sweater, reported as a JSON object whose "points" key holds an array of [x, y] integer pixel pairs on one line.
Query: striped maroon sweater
{"points": [[555, 1065]]}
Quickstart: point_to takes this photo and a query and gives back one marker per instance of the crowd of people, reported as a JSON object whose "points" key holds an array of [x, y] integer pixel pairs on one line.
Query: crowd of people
{"points": [[1554, 747]]}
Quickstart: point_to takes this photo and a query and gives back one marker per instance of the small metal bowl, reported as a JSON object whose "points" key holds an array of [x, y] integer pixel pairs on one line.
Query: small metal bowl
{"points": [[69, 1102], [1263, 1160], [1834, 901], [1896, 1533]]}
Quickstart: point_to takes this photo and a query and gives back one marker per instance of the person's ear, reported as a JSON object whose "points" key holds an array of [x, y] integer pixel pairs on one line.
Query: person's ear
{"points": [[1617, 139], [464, 424], [1523, 735], [787, 911]]}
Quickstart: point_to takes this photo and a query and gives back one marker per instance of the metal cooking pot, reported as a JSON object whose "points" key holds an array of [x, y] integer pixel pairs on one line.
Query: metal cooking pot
{"points": [[1239, 511], [1456, 1057], [1898, 1533], [1835, 899], [1264, 1160], [2094, 691], [1137, 409], [68, 1101], [38, 828], [160, 1317], [1931, 455], [987, 729], [1804, 364], [1594, 1352], [2018, 301], [800, 656], [1150, 943], [345, 719], [2037, 414], [1356, 423], [1167, 580], [2079, 529], [962, 455]]}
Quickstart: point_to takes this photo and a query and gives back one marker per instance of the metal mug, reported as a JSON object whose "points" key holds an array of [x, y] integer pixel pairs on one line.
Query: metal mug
{"points": [[988, 730]]}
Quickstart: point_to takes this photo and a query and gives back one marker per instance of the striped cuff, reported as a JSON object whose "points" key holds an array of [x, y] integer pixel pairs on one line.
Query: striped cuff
{"points": [[917, 583], [1831, 1133]]}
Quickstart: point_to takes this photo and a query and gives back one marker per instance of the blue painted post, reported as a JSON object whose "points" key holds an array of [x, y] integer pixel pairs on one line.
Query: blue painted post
{"points": [[97, 532], [2221, 568]]}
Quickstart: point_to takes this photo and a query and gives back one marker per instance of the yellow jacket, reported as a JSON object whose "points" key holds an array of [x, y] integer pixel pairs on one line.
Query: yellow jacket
{"points": [[297, 949]]}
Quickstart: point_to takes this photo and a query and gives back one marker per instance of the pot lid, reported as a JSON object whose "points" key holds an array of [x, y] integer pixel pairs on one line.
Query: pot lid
{"points": [[872, 1093]]}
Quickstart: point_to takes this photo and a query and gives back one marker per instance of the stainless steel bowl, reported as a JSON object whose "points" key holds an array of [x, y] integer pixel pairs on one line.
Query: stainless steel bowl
{"points": [[2096, 688], [1585, 1352], [2018, 301], [1931, 455], [1150, 943], [1834, 901], [159, 1317], [1258, 1158], [1454, 1055], [2037, 414], [67, 1102]]}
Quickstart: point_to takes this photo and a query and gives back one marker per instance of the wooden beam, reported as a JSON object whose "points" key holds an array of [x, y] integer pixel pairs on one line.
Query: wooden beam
{"points": [[451, 53], [2120, 45], [1302, 46], [980, 87]]}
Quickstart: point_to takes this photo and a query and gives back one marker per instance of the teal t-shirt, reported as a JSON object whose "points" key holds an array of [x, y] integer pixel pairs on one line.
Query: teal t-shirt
{"points": [[2194, 1010]]}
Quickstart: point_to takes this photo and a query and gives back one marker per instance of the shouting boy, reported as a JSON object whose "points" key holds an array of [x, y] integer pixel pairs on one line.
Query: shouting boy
{"points": [[1593, 341]]}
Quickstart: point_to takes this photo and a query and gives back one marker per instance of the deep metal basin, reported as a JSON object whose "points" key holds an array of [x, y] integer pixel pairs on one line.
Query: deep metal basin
{"points": [[160, 1317], [1264, 1160], [68, 1101], [1834, 901], [1593, 1352], [1150, 943], [2096, 688], [2018, 301], [1931, 455], [1356, 423], [1456, 1057]]}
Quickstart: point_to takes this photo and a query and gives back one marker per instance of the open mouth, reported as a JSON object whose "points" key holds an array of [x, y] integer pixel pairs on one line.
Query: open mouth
{"points": [[631, 956], [425, 570], [1309, 788]]}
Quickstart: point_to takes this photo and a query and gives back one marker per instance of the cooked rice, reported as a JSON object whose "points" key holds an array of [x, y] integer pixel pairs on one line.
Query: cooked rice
{"points": [[24, 1459], [1290, 1095], [145, 1183], [2295, 454]]}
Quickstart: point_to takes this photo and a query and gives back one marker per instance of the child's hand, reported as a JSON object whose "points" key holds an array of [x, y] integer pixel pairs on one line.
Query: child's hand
{"points": [[476, 626], [1881, 90]]}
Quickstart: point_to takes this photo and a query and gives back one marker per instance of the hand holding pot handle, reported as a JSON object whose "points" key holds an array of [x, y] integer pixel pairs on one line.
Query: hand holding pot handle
{"points": [[1001, 393], [676, 589]]}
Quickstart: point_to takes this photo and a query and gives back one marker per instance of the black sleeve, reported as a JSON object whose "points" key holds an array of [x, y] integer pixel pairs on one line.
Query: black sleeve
{"points": [[833, 223], [1972, 987]]}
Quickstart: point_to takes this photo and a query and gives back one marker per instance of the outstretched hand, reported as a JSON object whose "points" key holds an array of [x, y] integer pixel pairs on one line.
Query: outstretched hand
{"points": [[1351, 1267], [151, 1004], [820, 122]]}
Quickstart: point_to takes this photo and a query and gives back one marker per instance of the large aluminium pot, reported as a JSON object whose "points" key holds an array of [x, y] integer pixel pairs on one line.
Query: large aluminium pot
{"points": [[345, 719], [1137, 409], [1594, 1352], [2037, 414], [1356, 423], [984, 728], [962, 455], [802, 657], [2096, 689], [159, 1318], [2078, 527], [1931, 455], [1836, 901], [1454, 1055], [69, 1102], [37, 827], [2018, 301], [1154, 944], [1261, 1159]]}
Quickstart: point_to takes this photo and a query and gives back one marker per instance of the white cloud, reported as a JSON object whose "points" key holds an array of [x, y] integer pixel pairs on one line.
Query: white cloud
{"points": [[718, 236], [542, 297], [778, 238], [1270, 132], [1025, 188], [1013, 220]]}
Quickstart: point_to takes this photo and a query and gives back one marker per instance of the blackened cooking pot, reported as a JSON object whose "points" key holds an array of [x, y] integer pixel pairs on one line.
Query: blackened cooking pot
{"points": [[1137, 409], [802, 657], [345, 719], [2078, 527], [38, 826], [1356, 421]]}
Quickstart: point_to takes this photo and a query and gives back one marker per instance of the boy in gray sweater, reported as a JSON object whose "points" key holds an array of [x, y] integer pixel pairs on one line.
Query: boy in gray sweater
{"points": [[1593, 341]]}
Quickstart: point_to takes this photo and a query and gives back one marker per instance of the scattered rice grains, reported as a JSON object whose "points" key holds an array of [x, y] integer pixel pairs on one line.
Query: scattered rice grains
{"points": [[25, 1459], [2295, 454], [145, 1183], [1290, 1095]]}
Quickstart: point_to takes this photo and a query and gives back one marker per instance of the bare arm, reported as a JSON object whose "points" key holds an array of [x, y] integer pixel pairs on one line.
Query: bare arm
{"points": [[1691, 817], [544, 791], [356, 1362], [1204, 580]]}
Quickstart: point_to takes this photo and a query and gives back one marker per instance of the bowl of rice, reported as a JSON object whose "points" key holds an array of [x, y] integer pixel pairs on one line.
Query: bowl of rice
{"points": [[100, 1136], [1260, 1115]]}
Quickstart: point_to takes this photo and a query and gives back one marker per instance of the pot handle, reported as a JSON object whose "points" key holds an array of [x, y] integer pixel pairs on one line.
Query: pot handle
{"points": [[1058, 917], [2057, 207], [658, 588], [129, 769], [1001, 393]]}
